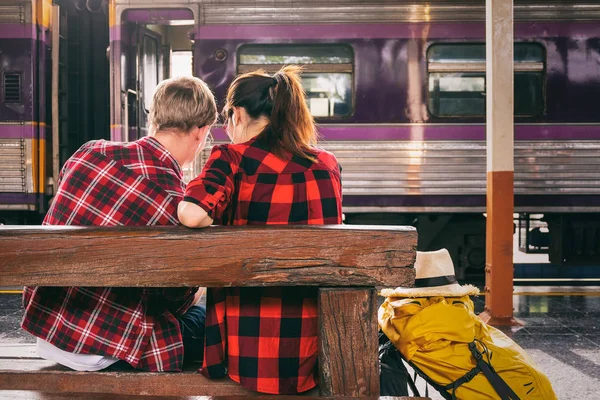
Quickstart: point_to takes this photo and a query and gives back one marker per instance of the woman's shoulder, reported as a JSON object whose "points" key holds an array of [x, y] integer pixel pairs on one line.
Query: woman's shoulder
{"points": [[229, 151], [326, 158]]}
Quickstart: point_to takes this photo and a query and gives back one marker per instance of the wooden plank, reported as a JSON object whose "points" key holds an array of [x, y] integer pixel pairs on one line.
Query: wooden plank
{"points": [[34, 395], [28, 375], [336, 255], [31, 395], [348, 342]]}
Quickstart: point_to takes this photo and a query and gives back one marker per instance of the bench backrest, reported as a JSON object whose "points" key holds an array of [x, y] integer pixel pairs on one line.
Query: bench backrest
{"points": [[335, 255], [345, 262]]}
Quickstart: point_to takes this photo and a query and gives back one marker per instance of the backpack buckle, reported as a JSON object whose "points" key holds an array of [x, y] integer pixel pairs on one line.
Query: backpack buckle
{"points": [[475, 351]]}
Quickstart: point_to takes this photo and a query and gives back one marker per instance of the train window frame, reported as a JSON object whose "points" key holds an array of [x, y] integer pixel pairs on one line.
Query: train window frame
{"points": [[308, 68], [470, 69], [147, 95], [20, 91]]}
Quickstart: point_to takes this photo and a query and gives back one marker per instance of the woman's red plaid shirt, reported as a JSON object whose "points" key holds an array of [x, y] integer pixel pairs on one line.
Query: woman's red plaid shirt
{"points": [[267, 335]]}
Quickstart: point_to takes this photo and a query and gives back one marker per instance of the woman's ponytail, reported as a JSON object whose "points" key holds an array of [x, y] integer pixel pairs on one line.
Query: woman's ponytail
{"points": [[292, 126]]}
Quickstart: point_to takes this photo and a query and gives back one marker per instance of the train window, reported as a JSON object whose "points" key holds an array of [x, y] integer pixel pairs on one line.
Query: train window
{"points": [[12, 87], [457, 79], [456, 94], [149, 68], [327, 76]]}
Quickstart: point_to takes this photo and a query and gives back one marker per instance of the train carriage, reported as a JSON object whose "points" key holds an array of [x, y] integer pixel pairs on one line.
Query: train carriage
{"points": [[48, 54], [23, 72], [398, 90]]}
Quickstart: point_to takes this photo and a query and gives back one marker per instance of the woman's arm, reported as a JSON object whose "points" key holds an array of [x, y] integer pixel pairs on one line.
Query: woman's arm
{"points": [[192, 215]]}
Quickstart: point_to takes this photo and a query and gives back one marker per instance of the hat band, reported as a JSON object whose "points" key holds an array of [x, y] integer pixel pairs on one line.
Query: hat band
{"points": [[435, 281]]}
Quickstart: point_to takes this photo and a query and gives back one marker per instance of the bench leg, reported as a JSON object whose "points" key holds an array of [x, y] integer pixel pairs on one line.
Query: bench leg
{"points": [[348, 360]]}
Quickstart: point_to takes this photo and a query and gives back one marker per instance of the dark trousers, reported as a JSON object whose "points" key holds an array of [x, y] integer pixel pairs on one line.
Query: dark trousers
{"points": [[192, 331]]}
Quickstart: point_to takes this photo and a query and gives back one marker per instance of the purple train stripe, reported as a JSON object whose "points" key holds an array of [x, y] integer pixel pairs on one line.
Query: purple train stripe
{"points": [[475, 30], [413, 201], [117, 37], [114, 33], [18, 31], [18, 198], [442, 132], [24, 31], [116, 133], [25, 131], [469, 201], [420, 132]]}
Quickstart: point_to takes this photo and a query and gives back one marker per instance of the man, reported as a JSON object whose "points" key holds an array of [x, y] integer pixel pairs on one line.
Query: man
{"points": [[113, 184]]}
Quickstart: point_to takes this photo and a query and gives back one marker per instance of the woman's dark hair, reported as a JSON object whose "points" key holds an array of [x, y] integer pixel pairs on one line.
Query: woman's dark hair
{"points": [[281, 98]]}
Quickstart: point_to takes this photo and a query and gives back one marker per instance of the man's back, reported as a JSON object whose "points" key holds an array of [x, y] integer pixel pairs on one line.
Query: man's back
{"points": [[111, 184], [108, 184]]}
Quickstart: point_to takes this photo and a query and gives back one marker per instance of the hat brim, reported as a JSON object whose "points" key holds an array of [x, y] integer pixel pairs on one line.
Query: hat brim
{"points": [[451, 290]]}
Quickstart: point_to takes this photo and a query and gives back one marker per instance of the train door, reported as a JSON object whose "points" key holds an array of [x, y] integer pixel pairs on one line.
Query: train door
{"points": [[149, 72], [142, 54], [142, 63]]}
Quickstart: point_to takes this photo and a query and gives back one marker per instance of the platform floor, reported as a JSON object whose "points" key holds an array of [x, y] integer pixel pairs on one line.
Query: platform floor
{"points": [[561, 333]]}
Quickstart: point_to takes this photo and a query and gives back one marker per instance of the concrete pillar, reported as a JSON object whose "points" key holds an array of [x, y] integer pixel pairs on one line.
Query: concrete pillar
{"points": [[500, 164]]}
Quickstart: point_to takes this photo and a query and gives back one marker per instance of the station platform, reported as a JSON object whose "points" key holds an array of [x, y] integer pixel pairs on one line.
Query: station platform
{"points": [[561, 332]]}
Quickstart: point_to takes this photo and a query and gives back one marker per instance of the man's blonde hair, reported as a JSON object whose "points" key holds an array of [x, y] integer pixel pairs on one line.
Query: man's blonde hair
{"points": [[182, 103]]}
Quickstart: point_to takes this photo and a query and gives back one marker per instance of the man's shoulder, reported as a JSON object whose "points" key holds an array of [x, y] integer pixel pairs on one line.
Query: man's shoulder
{"points": [[103, 181], [124, 153], [97, 147], [140, 158]]}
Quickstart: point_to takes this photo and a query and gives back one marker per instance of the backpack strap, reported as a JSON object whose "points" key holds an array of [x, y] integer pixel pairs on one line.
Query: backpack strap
{"points": [[498, 384], [462, 380], [413, 386], [501, 387]]}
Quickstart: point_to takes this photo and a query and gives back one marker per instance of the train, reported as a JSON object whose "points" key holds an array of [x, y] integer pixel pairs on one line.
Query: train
{"points": [[54, 96], [397, 89]]}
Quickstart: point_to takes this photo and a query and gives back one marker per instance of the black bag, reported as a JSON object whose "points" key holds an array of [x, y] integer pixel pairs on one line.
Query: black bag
{"points": [[393, 378]]}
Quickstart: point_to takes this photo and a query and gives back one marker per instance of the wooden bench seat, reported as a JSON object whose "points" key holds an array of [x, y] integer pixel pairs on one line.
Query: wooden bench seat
{"points": [[22, 369], [36, 395], [345, 262]]}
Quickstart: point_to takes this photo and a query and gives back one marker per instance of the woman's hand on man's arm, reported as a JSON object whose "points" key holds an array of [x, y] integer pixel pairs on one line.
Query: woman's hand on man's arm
{"points": [[192, 215]]}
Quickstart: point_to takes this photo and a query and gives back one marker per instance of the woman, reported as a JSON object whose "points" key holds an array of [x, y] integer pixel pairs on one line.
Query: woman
{"points": [[270, 175]]}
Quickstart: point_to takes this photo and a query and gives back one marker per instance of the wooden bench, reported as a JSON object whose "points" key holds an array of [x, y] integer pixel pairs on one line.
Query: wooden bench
{"points": [[345, 262]]}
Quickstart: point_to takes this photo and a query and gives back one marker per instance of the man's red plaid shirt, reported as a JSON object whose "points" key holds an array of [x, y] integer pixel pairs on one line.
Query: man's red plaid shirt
{"points": [[267, 335], [109, 184]]}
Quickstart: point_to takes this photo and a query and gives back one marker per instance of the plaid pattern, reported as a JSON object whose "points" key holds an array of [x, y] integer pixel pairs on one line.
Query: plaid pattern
{"points": [[108, 184], [267, 335]]}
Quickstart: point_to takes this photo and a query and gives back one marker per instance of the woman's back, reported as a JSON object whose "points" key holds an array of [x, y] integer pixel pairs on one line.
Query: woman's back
{"points": [[265, 338]]}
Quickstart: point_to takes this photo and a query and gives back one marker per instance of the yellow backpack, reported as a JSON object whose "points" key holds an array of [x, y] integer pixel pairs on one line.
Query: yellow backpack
{"points": [[443, 339]]}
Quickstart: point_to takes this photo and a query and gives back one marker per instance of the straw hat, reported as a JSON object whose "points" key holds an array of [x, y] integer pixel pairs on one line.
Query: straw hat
{"points": [[435, 277]]}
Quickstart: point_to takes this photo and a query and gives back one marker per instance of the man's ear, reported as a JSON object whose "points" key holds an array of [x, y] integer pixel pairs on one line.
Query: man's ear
{"points": [[202, 132]]}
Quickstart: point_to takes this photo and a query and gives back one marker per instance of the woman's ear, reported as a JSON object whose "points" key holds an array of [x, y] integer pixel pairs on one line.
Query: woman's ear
{"points": [[239, 116], [235, 116]]}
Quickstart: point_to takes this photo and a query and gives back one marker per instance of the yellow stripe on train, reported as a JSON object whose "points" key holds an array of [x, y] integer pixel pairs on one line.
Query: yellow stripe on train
{"points": [[38, 164]]}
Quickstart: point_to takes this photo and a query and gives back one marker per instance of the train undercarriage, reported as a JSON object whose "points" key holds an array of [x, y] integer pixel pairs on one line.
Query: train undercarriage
{"points": [[571, 242]]}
